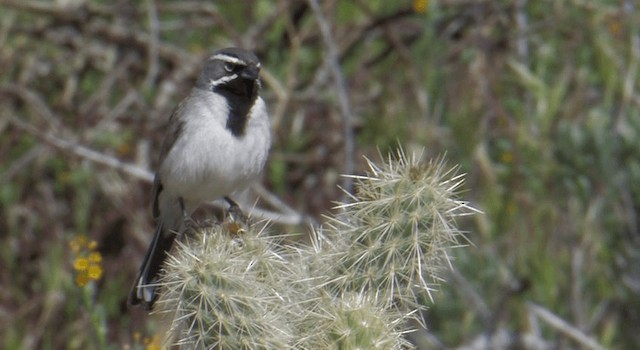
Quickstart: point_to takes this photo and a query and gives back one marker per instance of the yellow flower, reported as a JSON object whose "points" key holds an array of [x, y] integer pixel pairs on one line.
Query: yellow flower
{"points": [[95, 257], [87, 260], [94, 272], [81, 264], [82, 280], [152, 343], [420, 6], [78, 243]]}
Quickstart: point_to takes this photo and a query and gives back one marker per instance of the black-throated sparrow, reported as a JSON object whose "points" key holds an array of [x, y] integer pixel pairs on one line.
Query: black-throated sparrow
{"points": [[217, 142]]}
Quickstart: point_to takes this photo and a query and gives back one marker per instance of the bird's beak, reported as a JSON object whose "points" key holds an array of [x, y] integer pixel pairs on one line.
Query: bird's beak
{"points": [[250, 73]]}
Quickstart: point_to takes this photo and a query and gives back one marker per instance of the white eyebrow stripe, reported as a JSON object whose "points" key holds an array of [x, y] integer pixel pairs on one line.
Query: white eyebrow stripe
{"points": [[225, 79], [227, 58]]}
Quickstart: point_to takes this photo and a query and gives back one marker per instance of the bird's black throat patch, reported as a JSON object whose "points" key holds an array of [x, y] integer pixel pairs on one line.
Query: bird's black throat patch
{"points": [[239, 108]]}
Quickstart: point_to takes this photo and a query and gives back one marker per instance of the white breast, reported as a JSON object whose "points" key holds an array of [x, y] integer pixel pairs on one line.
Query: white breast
{"points": [[207, 162]]}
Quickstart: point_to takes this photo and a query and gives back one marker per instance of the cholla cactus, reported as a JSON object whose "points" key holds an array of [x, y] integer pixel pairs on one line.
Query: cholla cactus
{"points": [[397, 230], [219, 286], [349, 321], [352, 288]]}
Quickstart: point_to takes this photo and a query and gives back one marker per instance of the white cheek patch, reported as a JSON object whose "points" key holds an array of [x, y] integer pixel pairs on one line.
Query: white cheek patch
{"points": [[223, 80], [229, 59]]}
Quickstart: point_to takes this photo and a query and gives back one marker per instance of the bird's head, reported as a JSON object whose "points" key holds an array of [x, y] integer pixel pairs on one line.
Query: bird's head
{"points": [[231, 71]]}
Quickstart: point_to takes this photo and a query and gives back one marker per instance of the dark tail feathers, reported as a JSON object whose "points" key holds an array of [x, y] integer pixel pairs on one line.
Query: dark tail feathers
{"points": [[144, 287]]}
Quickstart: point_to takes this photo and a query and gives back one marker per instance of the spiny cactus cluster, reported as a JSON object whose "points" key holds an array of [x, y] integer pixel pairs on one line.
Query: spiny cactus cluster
{"points": [[353, 287]]}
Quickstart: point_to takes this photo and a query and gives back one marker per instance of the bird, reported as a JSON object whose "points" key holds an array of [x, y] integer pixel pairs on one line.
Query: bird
{"points": [[217, 142]]}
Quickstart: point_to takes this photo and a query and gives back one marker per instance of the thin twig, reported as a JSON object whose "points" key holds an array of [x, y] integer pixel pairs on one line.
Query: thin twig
{"points": [[564, 327], [154, 29], [343, 97], [288, 216], [35, 103], [474, 299], [505, 339], [20, 163], [84, 152], [522, 43]]}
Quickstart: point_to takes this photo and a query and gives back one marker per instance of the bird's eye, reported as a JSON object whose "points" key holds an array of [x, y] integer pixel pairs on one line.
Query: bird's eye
{"points": [[229, 67]]}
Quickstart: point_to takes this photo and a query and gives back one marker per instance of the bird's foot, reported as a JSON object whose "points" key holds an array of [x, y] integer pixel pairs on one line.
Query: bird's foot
{"points": [[236, 214], [237, 222]]}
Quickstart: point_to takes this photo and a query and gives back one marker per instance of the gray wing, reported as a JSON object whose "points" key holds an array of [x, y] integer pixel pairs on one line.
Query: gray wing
{"points": [[174, 130]]}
